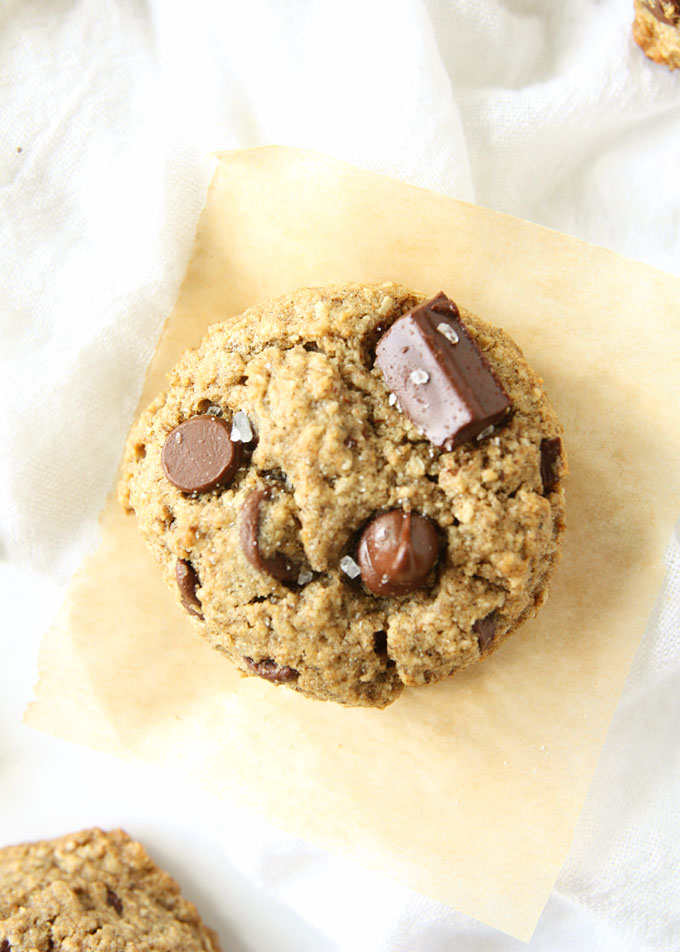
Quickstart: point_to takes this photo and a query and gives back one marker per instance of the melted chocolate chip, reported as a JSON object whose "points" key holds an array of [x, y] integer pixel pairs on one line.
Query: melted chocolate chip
{"points": [[485, 629], [667, 11], [441, 379], [396, 552], [199, 454], [271, 671], [113, 900], [5, 946], [276, 565], [187, 583], [551, 451]]}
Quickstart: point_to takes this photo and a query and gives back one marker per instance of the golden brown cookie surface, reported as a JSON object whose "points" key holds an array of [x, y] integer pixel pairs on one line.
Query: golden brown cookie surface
{"points": [[347, 554], [656, 30], [93, 892]]}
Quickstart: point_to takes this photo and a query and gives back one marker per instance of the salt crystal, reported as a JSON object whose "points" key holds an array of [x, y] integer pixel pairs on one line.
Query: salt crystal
{"points": [[487, 431], [241, 430], [349, 566], [448, 332]]}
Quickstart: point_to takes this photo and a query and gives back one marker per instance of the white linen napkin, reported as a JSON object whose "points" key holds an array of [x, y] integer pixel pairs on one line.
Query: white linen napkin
{"points": [[109, 110]]}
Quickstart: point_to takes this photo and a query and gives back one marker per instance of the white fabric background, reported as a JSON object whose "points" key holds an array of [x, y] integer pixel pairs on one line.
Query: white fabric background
{"points": [[546, 110]]}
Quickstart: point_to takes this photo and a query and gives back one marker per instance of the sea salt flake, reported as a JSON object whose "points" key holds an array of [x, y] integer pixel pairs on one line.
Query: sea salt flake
{"points": [[448, 332], [487, 431], [419, 376], [392, 399], [241, 430], [305, 576], [349, 566]]}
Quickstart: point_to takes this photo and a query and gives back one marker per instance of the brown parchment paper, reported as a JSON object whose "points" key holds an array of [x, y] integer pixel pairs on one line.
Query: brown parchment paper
{"points": [[467, 790]]}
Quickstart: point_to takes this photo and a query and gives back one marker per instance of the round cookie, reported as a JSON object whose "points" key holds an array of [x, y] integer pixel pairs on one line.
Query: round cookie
{"points": [[391, 508]]}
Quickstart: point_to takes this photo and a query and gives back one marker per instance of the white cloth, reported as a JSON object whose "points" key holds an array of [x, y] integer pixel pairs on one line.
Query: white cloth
{"points": [[546, 110]]}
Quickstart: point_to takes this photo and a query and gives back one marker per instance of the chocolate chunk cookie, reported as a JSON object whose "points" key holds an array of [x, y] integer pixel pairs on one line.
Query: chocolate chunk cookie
{"points": [[391, 506], [656, 30], [93, 891]]}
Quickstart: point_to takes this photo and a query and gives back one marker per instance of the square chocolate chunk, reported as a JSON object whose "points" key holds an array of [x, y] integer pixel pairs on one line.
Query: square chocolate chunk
{"points": [[440, 377]]}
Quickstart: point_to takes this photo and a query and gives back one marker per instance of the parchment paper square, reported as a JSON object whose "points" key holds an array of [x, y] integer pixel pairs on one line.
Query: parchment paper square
{"points": [[467, 790]]}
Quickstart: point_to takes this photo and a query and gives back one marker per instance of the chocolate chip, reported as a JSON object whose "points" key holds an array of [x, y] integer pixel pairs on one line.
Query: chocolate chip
{"points": [[199, 454], [396, 552], [666, 12], [551, 451], [271, 671], [441, 379], [485, 629], [113, 900], [187, 583], [249, 529], [380, 642], [5, 946]]}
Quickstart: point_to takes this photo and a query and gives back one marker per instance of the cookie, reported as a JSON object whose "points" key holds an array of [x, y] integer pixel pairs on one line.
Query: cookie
{"points": [[656, 29], [351, 489], [93, 891]]}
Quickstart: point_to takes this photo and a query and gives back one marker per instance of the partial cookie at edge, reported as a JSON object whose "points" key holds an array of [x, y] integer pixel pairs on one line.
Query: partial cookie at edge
{"points": [[656, 30], [97, 892]]}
